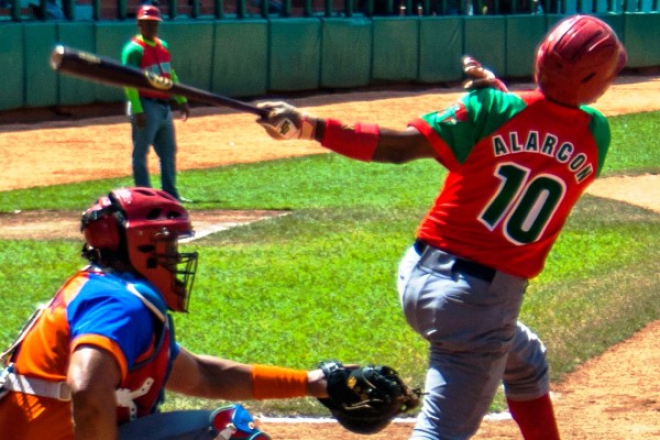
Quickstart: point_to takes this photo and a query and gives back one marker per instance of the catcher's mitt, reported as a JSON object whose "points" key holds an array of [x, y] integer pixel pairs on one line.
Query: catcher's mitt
{"points": [[365, 399]]}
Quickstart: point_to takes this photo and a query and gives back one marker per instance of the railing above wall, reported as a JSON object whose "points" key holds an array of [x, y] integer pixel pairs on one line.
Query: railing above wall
{"points": [[97, 10], [255, 57]]}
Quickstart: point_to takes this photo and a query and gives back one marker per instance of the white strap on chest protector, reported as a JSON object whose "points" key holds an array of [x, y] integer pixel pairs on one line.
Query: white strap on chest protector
{"points": [[126, 398], [34, 386], [61, 391]]}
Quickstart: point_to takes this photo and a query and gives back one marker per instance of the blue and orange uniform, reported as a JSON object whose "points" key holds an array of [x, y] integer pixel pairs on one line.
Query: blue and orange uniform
{"points": [[115, 312]]}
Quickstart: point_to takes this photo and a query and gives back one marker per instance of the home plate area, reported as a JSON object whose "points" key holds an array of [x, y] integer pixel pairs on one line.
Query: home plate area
{"points": [[49, 225], [209, 222]]}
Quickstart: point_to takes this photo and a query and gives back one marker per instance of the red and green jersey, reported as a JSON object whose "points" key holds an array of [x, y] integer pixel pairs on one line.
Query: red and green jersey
{"points": [[151, 56], [517, 165]]}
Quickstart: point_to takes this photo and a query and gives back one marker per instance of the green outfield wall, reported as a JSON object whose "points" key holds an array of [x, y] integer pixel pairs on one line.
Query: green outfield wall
{"points": [[254, 57]]}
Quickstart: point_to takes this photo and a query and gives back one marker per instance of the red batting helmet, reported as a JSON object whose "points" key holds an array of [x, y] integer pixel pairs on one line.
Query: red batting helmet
{"points": [[141, 226], [149, 12], [578, 60]]}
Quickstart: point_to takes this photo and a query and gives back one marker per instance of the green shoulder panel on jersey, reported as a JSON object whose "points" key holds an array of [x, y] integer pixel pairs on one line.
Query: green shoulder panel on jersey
{"points": [[131, 54], [478, 114], [600, 129]]}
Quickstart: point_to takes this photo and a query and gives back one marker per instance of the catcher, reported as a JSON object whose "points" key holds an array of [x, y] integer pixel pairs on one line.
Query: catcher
{"points": [[95, 361], [517, 163]]}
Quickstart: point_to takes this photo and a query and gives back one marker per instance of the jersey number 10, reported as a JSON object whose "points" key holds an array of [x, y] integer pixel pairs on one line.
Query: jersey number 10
{"points": [[523, 204]]}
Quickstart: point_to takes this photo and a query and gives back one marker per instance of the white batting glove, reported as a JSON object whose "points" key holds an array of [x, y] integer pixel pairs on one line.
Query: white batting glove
{"points": [[479, 77], [285, 121]]}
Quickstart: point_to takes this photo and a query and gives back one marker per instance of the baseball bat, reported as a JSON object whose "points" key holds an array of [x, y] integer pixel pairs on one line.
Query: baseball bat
{"points": [[108, 71]]}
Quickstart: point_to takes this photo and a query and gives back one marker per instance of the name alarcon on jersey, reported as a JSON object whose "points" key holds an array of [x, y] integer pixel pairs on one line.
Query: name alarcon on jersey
{"points": [[547, 144]]}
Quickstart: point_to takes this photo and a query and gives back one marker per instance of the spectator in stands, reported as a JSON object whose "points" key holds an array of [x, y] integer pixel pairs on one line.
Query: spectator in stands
{"points": [[505, 7], [380, 7], [53, 10], [274, 6], [452, 7]]}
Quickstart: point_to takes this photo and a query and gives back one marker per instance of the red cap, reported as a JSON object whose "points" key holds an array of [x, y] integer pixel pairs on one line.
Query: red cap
{"points": [[149, 12]]}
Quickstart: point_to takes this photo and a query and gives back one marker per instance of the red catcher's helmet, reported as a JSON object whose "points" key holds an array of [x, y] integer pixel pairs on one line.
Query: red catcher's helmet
{"points": [[149, 12], [141, 226], [578, 60]]}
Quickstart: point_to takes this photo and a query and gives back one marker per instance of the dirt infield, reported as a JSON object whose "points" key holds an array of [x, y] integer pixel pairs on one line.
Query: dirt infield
{"points": [[599, 401]]}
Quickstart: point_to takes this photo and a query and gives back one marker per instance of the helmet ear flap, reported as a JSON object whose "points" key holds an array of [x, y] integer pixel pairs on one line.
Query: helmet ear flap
{"points": [[100, 225], [103, 233]]}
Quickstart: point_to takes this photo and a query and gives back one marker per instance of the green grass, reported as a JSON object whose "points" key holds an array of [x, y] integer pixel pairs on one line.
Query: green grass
{"points": [[320, 282], [320, 181], [633, 149]]}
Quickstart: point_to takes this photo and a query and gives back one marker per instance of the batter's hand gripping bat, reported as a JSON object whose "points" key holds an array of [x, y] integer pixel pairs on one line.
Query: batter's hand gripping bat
{"points": [[108, 71]]}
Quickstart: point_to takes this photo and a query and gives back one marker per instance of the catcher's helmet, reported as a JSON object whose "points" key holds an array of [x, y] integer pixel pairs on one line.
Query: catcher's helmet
{"points": [[149, 12], [141, 226], [578, 60]]}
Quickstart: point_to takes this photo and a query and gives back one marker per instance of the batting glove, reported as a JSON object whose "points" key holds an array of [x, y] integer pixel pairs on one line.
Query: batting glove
{"points": [[284, 121], [480, 77]]}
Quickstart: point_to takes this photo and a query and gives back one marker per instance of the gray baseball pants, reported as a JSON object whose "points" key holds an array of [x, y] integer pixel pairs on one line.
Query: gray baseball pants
{"points": [[476, 342]]}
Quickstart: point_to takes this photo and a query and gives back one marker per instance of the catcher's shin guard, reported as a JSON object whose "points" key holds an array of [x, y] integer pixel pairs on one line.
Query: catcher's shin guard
{"points": [[231, 422]]}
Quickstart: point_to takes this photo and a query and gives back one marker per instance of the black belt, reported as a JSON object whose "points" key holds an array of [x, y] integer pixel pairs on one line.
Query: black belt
{"points": [[465, 267]]}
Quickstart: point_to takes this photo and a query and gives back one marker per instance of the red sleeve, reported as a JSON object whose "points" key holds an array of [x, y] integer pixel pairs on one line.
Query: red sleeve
{"points": [[445, 155]]}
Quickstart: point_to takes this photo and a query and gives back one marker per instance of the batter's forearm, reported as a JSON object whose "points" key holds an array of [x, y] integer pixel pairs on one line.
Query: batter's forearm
{"points": [[360, 141]]}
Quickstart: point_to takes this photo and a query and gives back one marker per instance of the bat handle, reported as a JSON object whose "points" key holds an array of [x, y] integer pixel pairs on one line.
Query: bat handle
{"points": [[240, 105]]}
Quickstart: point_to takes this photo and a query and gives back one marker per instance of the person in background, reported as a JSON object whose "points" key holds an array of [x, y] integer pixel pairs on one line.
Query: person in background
{"points": [[94, 362], [151, 111], [53, 10], [517, 164]]}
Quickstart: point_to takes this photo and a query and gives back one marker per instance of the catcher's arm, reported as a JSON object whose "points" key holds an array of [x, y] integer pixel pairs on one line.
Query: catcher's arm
{"points": [[365, 399], [215, 378]]}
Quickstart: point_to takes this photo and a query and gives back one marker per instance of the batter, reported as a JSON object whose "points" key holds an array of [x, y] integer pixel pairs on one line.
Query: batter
{"points": [[517, 165]]}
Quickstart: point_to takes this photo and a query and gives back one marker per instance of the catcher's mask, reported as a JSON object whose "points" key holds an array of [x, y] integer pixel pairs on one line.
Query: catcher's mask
{"points": [[142, 226], [578, 60]]}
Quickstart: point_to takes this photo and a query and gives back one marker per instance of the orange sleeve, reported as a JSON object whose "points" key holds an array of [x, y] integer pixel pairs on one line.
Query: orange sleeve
{"points": [[106, 344], [277, 382]]}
